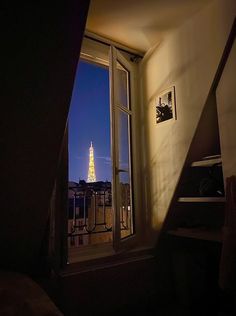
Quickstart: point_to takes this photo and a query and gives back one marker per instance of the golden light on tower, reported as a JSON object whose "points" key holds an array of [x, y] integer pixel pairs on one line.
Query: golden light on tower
{"points": [[91, 170]]}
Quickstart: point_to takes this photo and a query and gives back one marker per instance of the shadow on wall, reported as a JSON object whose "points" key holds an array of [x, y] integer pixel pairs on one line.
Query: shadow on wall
{"points": [[36, 99]]}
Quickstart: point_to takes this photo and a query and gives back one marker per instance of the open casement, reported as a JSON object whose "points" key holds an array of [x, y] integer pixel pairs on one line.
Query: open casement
{"points": [[122, 81], [124, 216]]}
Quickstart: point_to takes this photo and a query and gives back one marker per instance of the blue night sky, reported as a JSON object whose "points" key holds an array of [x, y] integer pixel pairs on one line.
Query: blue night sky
{"points": [[89, 120]]}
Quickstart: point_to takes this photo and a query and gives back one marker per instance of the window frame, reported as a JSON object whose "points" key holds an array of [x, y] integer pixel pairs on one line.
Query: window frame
{"points": [[116, 107], [95, 52]]}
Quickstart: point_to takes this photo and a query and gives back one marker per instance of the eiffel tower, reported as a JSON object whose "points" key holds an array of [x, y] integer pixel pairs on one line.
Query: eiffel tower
{"points": [[91, 170]]}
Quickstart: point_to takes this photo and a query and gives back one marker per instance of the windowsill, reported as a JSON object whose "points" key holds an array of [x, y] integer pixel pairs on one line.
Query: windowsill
{"points": [[90, 252], [104, 256]]}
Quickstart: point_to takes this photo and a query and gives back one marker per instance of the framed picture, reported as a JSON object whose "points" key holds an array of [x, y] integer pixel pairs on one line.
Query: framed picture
{"points": [[165, 105]]}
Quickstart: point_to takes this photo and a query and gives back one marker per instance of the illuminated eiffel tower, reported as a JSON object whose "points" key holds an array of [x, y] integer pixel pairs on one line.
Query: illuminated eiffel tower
{"points": [[91, 170]]}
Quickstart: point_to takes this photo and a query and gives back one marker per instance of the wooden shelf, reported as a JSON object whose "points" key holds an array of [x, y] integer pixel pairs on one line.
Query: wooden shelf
{"points": [[197, 233], [207, 162], [201, 199]]}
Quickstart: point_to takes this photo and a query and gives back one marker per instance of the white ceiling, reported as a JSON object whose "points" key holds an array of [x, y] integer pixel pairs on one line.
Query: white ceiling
{"points": [[139, 24]]}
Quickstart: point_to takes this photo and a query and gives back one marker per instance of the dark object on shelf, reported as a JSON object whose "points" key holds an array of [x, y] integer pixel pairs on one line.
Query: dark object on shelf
{"points": [[212, 184], [227, 273]]}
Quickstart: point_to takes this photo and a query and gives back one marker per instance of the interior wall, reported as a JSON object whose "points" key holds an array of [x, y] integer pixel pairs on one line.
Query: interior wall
{"points": [[187, 58], [40, 49], [116, 290], [226, 106]]}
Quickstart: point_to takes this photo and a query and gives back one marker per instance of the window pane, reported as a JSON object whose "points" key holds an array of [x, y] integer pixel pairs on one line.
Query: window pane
{"points": [[123, 141], [125, 198], [90, 168], [122, 86]]}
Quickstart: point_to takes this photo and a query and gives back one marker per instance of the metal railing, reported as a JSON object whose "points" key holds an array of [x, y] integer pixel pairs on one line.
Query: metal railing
{"points": [[91, 213]]}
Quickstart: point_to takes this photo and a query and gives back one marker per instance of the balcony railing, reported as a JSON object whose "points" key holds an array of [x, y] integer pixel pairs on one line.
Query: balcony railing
{"points": [[90, 214]]}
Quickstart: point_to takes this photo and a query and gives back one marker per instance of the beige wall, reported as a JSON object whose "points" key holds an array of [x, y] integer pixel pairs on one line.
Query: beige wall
{"points": [[226, 106], [186, 58]]}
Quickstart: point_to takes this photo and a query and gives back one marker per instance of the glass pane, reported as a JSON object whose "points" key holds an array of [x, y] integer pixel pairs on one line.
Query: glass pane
{"points": [[122, 86], [90, 168], [125, 198]]}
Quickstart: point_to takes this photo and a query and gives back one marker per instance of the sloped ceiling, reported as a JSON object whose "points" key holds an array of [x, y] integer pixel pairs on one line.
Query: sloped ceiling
{"points": [[139, 24]]}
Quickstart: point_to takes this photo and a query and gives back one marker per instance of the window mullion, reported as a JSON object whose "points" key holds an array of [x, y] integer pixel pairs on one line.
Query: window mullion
{"points": [[114, 146]]}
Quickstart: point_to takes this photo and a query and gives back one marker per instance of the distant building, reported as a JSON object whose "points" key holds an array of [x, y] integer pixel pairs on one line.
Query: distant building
{"points": [[89, 213]]}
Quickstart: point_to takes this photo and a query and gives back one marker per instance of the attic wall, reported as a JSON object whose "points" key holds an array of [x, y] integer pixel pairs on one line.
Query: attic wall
{"points": [[226, 104], [41, 48], [187, 58]]}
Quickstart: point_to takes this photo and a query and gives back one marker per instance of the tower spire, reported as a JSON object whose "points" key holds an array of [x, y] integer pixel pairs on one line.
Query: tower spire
{"points": [[91, 170]]}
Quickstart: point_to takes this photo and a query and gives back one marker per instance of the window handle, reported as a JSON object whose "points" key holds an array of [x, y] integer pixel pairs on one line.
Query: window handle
{"points": [[120, 170]]}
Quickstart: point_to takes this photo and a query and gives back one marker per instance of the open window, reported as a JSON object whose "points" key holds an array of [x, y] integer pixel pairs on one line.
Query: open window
{"points": [[104, 210]]}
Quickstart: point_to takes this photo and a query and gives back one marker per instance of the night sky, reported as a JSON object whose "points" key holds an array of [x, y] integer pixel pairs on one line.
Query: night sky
{"points": [[89, 120]]}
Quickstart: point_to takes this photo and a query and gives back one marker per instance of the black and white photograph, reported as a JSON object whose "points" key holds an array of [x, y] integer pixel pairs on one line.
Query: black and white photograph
{"points": [[165, 105]]}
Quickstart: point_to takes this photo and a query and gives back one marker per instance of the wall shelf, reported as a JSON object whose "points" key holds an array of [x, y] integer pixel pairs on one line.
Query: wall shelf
{"points": [[207, 162], [201, 233], [201, 199]]}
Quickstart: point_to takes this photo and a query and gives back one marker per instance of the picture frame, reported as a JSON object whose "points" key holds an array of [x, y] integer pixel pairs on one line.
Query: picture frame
{"points": [[165, 105]]}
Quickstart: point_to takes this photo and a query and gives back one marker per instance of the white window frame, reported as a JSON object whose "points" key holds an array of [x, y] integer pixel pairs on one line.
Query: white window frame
{"points": [[95, 52]]}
